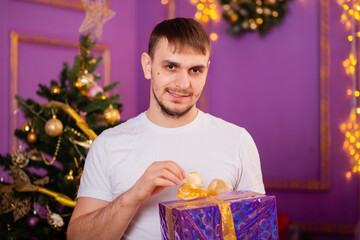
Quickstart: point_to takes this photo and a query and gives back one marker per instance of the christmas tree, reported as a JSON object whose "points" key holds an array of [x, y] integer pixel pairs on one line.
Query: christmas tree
{"points": [[39, 199]]}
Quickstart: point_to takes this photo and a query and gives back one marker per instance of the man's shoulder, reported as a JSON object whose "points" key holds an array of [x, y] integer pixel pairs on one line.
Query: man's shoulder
{"points": [[129, 126], [213, 121]]}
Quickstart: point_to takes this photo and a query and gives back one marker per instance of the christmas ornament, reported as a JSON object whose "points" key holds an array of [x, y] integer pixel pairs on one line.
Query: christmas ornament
{"points": [[73, 114], [34, 155], [32, 221], [85, 80], [70, 176], [25, 126], [19, 158], [111, 115], [32, 136], [97, 13], [54, 127], [253, 15], [54, 219], [94, 90], [55, 90]]}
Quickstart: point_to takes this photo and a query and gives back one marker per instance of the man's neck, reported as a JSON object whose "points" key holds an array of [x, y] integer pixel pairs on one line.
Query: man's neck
{"points": [[161, 119]]}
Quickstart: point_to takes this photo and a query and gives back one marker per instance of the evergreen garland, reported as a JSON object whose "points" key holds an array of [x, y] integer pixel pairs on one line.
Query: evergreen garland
{"points": [[253, 15]]}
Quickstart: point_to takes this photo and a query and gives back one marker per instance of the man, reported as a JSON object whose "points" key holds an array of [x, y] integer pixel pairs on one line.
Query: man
{"points": [[134, 166]]}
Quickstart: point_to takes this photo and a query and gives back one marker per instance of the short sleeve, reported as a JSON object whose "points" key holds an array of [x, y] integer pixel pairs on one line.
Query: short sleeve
{"points": [[250, 173], [94, 181]]}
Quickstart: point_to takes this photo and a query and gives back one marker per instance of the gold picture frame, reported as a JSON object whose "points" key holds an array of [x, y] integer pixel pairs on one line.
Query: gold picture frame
{"points": [[72, 4], [15, 40], [323, 183]]}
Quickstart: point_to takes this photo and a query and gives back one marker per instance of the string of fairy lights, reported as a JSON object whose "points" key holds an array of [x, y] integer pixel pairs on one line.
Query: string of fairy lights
{"points": [[206, 11], [351, 127]]}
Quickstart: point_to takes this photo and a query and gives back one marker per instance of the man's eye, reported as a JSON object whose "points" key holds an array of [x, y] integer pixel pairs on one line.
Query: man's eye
{"points": [[170, 67], [196, 70]]}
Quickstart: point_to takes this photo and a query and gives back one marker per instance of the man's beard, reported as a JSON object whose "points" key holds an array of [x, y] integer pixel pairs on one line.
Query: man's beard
{"points": [[168, 112]]}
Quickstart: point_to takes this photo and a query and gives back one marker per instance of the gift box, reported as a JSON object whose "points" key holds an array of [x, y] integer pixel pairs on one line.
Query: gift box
{"points": [[254, 217]]}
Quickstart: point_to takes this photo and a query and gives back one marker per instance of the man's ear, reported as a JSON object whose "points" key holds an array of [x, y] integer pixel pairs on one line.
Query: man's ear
{"points": [[146, 65]]}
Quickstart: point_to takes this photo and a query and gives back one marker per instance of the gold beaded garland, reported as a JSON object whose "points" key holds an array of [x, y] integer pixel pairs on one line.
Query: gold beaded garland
{"points": [[55, 154]]}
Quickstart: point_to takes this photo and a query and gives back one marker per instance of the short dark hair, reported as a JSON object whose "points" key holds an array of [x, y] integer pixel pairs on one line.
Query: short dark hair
{"points": [[180, 32]]}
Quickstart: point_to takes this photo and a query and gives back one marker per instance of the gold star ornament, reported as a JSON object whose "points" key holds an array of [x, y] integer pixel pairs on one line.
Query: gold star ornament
{"points": [[97, 13]]}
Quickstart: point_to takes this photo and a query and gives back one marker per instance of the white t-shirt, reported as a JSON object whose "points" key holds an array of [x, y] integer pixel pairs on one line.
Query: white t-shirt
{"points": [[208, 145]]}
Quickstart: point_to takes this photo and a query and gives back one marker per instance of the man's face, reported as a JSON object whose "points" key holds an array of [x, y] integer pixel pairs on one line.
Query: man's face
{"points": [[177, 78]]}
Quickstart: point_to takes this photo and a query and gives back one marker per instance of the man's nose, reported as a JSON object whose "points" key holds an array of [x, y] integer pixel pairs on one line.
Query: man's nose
{"points": [[183, 80]]}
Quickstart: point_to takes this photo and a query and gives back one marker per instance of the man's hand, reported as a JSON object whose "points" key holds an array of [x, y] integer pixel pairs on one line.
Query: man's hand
{"points": [[156, 178]]}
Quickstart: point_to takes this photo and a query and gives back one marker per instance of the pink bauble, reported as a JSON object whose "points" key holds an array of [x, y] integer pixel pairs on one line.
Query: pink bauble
{"points": [[95, 90]]}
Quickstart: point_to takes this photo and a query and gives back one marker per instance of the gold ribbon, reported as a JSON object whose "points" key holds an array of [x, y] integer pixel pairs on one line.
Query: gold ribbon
{"points": [[193, 188], [79, 121], [61, 198]]}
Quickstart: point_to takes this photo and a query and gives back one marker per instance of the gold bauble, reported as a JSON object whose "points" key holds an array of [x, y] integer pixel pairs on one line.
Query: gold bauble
{"points": [[32, 137], [55, 90], [111, 115], [54, 127], [85, 80]]}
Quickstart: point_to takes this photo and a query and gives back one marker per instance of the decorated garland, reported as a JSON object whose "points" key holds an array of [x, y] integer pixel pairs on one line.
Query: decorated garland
{"points": [[253, 15]]}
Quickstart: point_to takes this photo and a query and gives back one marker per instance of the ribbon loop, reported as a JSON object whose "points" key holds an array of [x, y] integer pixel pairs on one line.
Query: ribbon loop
{"points": [[194, 187]]}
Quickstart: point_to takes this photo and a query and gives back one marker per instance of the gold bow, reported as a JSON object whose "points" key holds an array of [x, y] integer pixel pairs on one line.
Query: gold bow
{"points": [[194, 187]]}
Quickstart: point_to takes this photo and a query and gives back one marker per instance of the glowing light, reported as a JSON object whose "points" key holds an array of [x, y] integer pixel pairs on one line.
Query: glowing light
{"points": [[351, 12], [343, 17], [259, 21], [348, 134], [358, 110], [346, 7], [348, 175], [205, 18], [356, 93], [206, 10], [198, 15], [234, 17], [164, 2], [349, 92], [350, 38], [213, 36]]}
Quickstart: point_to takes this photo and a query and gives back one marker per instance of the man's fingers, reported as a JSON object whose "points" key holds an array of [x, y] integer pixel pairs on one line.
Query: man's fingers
{"points": [[170, 176], [162, 182], [174, 168]]}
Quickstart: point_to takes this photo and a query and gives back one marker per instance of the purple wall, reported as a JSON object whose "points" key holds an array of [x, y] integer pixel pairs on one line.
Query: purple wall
{"points": [[62, 23], [269, 85]]}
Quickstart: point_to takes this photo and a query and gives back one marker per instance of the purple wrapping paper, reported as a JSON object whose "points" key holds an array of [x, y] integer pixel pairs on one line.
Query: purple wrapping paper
{"points": [[254, 218]]}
